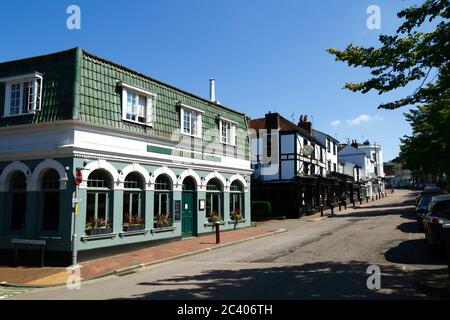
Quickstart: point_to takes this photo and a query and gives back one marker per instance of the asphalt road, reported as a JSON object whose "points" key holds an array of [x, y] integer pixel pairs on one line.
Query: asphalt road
{"points": [[318, 258]]}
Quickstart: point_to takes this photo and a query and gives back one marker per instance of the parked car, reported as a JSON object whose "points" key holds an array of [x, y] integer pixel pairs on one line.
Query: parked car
{"points": [[428, 191], [422, 210], [439, 214]]}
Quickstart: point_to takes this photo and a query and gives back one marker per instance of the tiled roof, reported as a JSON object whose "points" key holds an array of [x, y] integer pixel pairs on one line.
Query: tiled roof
{"points": [[80, 85], [285, 125]]}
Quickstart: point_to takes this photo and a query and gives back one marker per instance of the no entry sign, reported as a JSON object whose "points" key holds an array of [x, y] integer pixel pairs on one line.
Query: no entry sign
{"points": [[78, 177]]}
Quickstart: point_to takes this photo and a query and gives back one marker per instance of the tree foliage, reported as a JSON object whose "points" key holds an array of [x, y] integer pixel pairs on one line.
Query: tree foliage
{"points": [[408, 56], [413, 57]]}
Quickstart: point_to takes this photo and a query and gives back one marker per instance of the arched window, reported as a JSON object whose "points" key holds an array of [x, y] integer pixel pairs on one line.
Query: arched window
{"points": [[18, 200], [50, 196], [133, 203], [98, 217], [214, 200], [162, 208], [237, 199]]}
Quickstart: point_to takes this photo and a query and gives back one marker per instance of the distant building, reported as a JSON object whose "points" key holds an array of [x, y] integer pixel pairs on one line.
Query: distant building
{"points": [[331, 149], [396, 176], [369, 159]]}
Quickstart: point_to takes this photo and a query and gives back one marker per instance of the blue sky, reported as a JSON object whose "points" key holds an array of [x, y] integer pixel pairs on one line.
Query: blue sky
{"points": [[264, 55]]}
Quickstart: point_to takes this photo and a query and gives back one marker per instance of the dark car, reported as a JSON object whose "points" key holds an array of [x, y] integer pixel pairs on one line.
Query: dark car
{"points": [[439, 214], [422, 208], [428, 191]]}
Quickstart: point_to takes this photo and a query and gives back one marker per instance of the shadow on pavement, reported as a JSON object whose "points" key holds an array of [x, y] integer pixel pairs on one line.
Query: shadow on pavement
{"points": [[376, 213], [408, 227], [414, 252], [322, 280]]}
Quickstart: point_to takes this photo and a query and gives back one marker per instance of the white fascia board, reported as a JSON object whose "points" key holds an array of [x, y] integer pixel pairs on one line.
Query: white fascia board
{"points": [[133, 88], [22, 77], [185, 106], [227, 120]]}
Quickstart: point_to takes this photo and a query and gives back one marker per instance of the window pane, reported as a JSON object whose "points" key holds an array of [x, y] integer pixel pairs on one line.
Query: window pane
{"points": [[187, 122], [194, 123], [90, 207], [141, 109], [164, 204], [18, 209], [135, 204], [101, 206], [131, 106], [51, 211], [126, 206]]}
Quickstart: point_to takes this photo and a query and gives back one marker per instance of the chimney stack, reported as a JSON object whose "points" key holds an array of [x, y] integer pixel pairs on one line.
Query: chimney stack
{"points": [[212, 90], [354, 144], [305, 124], [272, 120]]}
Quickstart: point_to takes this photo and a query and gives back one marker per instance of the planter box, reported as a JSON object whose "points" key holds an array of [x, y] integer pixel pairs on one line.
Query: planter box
{"points": [[93, 232], [162, 226], [133, 228]]}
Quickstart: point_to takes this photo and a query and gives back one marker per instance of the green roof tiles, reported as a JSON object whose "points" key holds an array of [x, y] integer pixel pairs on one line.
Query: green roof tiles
{"points": [[79, 85]]}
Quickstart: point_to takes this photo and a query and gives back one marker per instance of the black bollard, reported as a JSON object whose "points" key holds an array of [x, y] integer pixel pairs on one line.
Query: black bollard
{"points": [[217, 232]]}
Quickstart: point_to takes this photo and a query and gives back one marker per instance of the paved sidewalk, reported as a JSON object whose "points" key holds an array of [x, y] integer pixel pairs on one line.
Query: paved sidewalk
{"points": [[50, 276]]}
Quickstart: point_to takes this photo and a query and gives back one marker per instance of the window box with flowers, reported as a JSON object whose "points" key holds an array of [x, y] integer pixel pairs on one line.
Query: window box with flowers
{"points": [[133, 223], [98, 226], [236, 217], [162, 221]]}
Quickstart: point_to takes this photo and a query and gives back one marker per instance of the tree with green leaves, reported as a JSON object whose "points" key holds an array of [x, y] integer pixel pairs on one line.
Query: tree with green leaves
{"points": [[420, 59]]}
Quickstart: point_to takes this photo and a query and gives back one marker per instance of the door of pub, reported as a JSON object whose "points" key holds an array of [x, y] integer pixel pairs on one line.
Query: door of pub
{"points": [[188, 222]]}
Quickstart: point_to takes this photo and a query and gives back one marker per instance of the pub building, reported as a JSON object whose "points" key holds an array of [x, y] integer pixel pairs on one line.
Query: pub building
{"points": [[304, 173]]}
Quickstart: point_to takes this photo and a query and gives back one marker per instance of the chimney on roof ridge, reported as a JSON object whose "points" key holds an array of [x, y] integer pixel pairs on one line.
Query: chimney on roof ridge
{"points": [[354, 144], [305, 124]]}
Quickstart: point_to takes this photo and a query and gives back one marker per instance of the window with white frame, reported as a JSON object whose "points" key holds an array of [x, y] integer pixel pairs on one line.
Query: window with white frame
{"points": [[23, 94], [227, 130], [191, 120], [137, 104]]}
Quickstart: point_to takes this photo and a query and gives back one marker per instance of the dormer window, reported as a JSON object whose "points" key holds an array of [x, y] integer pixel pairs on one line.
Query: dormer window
{"points": [[191, 120], [137, 104], [23, 94], [227, 131]]}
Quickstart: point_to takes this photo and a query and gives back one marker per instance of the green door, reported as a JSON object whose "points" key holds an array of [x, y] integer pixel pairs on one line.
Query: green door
{"points": [[187, 214]]}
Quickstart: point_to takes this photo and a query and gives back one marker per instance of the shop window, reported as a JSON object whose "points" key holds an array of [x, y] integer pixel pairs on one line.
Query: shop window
{"points": [[98, 217], [214, 198], [133, 203], [162, 202], [237, 200], [18, 200], [51, 199]]}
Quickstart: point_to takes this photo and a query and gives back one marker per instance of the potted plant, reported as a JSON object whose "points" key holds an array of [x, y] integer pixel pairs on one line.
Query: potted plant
{"points": [[163, 220], [213, 217], [98, 226], [133, 223], [236, 217]]}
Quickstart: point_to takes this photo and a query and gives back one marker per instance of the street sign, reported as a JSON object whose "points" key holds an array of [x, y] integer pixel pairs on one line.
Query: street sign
{"points": [[78, 177], [29, 241]]}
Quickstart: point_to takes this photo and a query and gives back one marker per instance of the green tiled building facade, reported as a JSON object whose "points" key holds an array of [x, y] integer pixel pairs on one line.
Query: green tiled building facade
{"points": [[157, 163]]}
